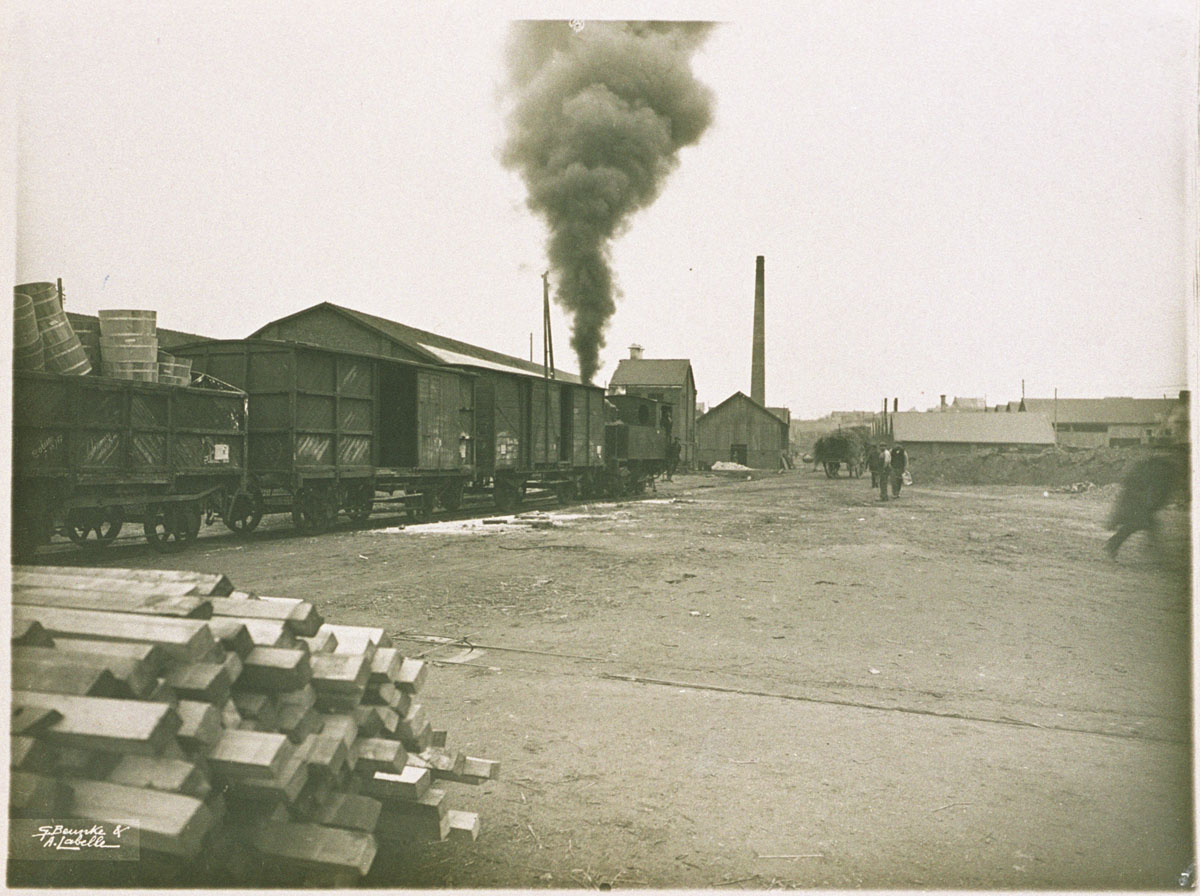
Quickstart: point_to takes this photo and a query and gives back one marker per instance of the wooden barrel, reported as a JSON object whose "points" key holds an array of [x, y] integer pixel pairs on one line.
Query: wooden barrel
{"points": [[88, 331], [44, 297], [141, 349], [174, 371], [127, 322], [27, 341], [63, 351], [142, 371]]}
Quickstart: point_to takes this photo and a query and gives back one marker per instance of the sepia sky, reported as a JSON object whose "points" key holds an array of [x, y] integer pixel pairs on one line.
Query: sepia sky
{"points": [[950, 196]]}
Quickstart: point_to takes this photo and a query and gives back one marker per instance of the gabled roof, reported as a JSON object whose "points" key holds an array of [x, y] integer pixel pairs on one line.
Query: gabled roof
{"points": [[651, 372], [968, 404], [1111, 411], [434, 348], [983, 428], [742, 397]]}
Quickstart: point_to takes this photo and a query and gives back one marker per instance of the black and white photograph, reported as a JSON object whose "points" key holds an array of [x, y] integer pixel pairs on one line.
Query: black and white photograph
{"points": [[545, 446]]}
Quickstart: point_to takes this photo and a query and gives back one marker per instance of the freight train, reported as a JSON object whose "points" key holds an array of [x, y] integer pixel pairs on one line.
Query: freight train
{"points": [[272, 426]]}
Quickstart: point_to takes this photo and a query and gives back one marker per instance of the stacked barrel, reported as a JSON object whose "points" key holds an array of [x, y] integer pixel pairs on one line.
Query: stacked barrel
{"points": [[129, 345], [57, 345], [121, 343]]}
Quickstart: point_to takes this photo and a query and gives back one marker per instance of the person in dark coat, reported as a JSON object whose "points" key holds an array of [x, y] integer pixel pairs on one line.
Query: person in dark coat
{"points": [[674, 450], [1145, 490], [874, 464], [897, 468]]}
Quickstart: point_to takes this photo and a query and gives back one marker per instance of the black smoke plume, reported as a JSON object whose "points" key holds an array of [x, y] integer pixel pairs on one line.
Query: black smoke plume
{"points": [[599, 114]]}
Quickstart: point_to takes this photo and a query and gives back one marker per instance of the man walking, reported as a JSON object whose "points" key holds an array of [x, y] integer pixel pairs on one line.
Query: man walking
{"points": [[885, 472]]}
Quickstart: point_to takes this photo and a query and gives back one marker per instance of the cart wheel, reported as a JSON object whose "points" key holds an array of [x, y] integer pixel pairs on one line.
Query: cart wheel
{"points": [[507, 496], [79, 524], [567, 492], [451, 496], [313, 510], [360, 501], [243, 512], [169, 527]]}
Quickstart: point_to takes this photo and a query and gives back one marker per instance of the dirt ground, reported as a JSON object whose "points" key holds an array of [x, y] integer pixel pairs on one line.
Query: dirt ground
{"points": [[783, 682]]}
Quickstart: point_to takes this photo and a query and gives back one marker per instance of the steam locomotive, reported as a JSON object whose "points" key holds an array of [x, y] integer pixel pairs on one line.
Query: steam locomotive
{"points": [[272, 426]]}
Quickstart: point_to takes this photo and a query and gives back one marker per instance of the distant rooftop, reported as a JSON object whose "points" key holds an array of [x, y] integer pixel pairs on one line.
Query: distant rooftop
{"points": [[651, 372], [1000, 429]]}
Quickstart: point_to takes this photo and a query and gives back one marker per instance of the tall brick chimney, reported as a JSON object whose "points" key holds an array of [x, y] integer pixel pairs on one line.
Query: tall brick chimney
{"points": [[758, 366]]}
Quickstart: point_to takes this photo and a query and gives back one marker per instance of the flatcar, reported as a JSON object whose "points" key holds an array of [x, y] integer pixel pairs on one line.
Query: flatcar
{"points": [[91, 453]]}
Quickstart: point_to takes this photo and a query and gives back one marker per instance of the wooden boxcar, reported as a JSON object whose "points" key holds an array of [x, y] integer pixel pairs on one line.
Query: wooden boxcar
{"points": [[330, 428], [537, 432], [90, 453]]}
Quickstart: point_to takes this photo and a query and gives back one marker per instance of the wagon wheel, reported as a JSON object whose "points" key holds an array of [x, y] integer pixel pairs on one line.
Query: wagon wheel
{"points": [[313, 510], [359, 502], [567, 492], [105, 522], [420, 506], [451, 496], [507, 495], [243, 512], [169, 527]]}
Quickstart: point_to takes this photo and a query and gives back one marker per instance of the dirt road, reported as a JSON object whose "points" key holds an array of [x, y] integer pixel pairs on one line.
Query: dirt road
{"points": [[785, 682]]}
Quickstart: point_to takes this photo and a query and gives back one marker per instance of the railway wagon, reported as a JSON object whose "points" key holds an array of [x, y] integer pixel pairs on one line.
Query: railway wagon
{"points": [[636, 440], [330, 428], [538, 432], [91, 453]]}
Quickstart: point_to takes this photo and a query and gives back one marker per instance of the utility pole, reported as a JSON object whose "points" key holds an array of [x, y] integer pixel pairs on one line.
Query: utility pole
{"points": [[547, 340]]}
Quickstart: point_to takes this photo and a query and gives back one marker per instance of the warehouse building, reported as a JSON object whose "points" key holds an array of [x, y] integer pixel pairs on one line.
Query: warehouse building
{"points": [[670, 381], [741, 430], [967, 432], [1112, 422]]}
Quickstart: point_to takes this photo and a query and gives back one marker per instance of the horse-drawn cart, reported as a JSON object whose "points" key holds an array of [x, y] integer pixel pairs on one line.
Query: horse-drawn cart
{"points": [[840, 449]]}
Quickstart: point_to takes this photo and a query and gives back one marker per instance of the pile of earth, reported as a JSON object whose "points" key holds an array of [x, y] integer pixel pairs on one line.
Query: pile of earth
{"points": [[1052, 467]]}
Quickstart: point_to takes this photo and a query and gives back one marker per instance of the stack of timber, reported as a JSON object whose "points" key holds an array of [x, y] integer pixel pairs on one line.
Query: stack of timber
{"points": [[254, 742]]}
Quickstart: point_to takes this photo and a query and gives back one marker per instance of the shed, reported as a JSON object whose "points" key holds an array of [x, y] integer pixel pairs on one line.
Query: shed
{"points": [[1111, 422], [741, 430], [670, 381], [965, 432]]}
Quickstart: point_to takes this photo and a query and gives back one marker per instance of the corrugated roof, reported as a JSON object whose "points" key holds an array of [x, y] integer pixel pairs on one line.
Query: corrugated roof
{"points": [[440, 348], [651, 372], [1000, 429], [1119, 411]]}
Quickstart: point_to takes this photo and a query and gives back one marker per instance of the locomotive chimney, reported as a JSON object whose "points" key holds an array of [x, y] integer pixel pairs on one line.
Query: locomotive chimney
{"points": [[758, 370], [635, 352]]}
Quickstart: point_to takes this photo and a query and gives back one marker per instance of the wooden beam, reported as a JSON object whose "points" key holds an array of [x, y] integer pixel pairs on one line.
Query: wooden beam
{"points": [[410, 783], [313, 846], [200, 724], [133, 677], [36, 796], [206, 682], [100, 723], [378, 754], [350, 811], [203, 583], [356, 638], [249, 754], [298, 616], [79, 679], [412, 675], [159, 773], [273, 669], [385, 665], [463, 825], [152, 655], [114, 602], [167, 822], [184, 640]]}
